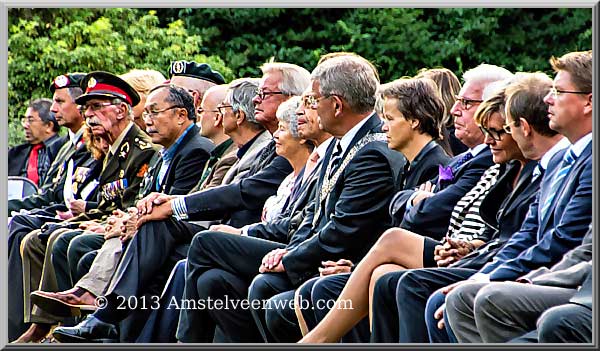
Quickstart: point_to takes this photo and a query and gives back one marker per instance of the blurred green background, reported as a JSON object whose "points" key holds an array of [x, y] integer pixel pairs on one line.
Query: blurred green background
{"points": [[44, 43]]}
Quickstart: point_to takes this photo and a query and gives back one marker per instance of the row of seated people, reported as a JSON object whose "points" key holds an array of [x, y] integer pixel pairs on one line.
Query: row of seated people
{"points": [[325, 203]]}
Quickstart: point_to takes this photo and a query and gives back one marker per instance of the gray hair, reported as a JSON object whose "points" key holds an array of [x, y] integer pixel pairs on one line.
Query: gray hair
{"points": [[129, 113], [240, 94], [486, 73], [74, 92], [349, 77], [286, 113], [295, 79]]}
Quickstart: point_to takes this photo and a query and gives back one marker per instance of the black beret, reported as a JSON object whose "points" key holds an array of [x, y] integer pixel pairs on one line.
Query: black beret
{"points": [[195, 70], [106, 85], [69, 80]]}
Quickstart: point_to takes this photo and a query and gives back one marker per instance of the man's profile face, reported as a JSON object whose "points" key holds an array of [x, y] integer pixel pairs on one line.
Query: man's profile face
{"points": [[35, 128], [65, 109], [266, 108]]}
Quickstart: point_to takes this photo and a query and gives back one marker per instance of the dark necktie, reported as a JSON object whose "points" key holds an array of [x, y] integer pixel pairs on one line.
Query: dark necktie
{"points": [[558, 180], [464, 159], [32, 163], [266, 153], [537, 172]]}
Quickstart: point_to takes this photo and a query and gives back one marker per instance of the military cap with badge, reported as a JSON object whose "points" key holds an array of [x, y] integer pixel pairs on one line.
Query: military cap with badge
{"points": [[100, 84], [69, 80], [196, 70]]}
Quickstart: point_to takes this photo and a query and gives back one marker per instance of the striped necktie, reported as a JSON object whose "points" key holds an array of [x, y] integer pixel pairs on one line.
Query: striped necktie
{"points": [[558, 180]]}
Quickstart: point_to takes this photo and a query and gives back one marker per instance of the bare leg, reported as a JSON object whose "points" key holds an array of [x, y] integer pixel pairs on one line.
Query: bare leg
{"points": [[377, 273], [396, 246]]}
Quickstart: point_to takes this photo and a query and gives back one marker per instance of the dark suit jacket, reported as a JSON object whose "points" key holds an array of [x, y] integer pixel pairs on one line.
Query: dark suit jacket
{"points": [[504, 218], [182, 174], [19, 155], [51, 190], [431, 216], [241, 203], [354, 214], [544, 241], [129, 165], [425, 166]]}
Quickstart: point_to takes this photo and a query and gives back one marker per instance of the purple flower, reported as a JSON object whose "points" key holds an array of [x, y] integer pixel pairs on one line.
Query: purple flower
{"points": [[445, 174]]}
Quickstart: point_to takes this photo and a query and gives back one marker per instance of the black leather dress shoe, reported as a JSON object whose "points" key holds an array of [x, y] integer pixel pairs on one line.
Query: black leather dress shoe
{"points": [[90, 329]]}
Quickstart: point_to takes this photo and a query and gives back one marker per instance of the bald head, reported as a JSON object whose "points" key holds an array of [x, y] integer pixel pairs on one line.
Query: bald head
{"points": [[195, 86], [210, 121]]}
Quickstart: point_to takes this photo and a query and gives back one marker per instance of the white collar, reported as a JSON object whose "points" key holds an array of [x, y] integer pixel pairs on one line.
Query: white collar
{"points": [[581, 144], [322, 149], [477, 149], [562, 144], [347, 138]]}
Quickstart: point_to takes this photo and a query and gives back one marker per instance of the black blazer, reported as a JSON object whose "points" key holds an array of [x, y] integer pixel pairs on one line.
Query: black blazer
{"points": [[354, 215], [183, 172], [504, 218], [431, 216], [19, 154], [425, 166], [241, 203]]}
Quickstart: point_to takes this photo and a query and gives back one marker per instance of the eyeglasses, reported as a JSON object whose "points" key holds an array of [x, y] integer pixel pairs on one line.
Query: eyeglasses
{"points": [[493, 133], [466, 103], [221, 109], [555, 92], [29, 120], [507, 127], [200, 110], [263, 94], [95, 106], [153, 114]]}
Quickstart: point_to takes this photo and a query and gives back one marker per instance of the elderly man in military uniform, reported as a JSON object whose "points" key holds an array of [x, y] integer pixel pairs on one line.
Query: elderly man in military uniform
{"points": [[65, 89], [169, 114], [106, 106]]}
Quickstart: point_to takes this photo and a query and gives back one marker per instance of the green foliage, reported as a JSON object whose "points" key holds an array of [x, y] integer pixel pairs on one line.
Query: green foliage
{"points": [[400, 41], [50, 42]]}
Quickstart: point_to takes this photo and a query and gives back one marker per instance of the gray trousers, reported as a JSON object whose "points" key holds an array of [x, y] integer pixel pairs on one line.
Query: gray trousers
{"points": [[105, 264], [498, 312]]}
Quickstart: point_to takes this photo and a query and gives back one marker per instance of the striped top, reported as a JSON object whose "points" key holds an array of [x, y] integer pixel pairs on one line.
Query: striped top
{"points": [[465, 222]]}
